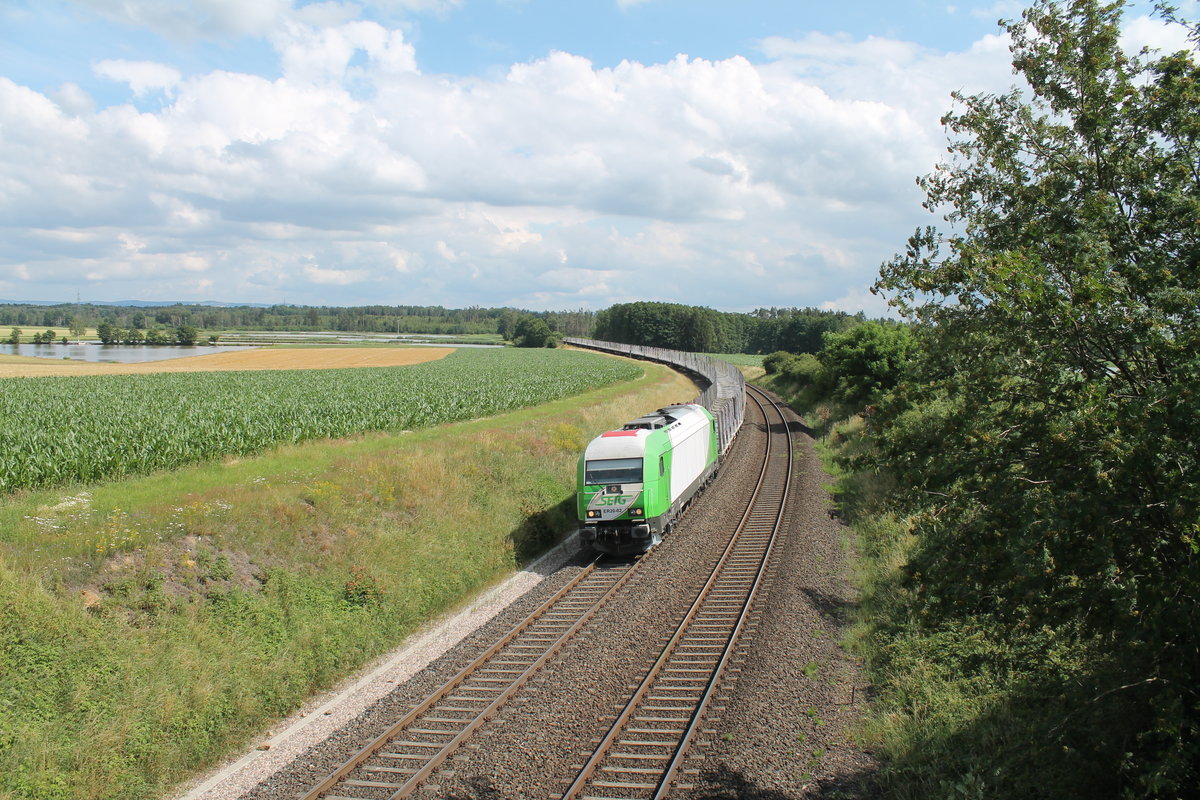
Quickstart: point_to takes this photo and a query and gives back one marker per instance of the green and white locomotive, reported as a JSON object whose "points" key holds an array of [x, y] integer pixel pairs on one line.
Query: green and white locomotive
{"points": [[634, 482]]}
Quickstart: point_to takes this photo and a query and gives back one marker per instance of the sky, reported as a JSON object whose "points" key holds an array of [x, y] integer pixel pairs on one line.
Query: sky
{"points": [[539, 154]]}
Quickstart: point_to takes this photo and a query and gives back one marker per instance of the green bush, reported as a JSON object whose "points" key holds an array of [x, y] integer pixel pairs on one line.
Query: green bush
{"points": [[865, 362], [778, 362], [804, 369]]}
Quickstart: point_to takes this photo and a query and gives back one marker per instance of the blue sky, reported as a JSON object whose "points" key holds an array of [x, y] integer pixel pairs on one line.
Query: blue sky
{"points": [[536, 153], [47, 42]]}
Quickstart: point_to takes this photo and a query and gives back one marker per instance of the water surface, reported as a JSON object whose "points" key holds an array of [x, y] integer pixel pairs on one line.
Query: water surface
{"points": [[118, 353]]}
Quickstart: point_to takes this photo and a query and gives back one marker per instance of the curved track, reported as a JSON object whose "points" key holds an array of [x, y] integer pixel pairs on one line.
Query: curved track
{"points": [[644, 751]]}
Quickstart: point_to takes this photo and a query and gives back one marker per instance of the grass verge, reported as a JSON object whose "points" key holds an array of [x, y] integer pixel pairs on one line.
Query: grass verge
{"points": [[222, 595], [961, 708]]}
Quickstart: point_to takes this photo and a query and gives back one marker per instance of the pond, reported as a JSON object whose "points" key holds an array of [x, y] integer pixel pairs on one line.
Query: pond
{"points": [[122, 354]]}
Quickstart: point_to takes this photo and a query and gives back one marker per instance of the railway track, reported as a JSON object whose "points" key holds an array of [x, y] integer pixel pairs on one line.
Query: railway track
{"points": [[676, 690], [406, 753], [643, 753]]}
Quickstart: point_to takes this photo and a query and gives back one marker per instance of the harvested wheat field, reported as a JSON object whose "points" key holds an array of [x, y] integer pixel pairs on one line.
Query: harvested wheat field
{"points": [[233, 361]]}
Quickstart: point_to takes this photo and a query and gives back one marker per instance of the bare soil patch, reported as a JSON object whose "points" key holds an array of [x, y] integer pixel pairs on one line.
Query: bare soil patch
{"points": [[232, 361]]}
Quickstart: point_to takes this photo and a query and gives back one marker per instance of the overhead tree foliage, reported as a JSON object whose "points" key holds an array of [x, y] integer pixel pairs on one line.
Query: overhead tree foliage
{"points": [[1048, 450]]}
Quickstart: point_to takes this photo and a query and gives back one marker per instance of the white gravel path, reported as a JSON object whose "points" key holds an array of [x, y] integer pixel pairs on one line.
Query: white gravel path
{"points": [[326, 713]]}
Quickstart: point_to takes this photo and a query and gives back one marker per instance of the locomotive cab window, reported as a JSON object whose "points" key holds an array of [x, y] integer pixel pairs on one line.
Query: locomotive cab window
{"points": [[613, 470], [662, 467]]}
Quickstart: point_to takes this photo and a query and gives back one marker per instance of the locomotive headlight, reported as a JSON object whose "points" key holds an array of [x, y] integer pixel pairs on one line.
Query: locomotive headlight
{"points": [[637, 512], [592, 513]]}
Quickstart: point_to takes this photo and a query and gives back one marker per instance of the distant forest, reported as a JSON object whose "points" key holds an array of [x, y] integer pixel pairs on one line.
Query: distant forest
{"points": [[703, 330], [681, 327], [357, 319]]}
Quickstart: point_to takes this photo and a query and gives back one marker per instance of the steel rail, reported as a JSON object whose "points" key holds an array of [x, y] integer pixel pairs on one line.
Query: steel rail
{"points": [[694, 727], [602, 751], [434, 759]]}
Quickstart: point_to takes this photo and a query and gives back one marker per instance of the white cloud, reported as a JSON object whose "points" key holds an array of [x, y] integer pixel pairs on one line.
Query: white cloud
{"points": [[191, 19], [334, 277], [901, 76], [1154, 33], [322, 55], [72, 99], [858, 299], [188, 20], [142, 76], [419, 5], [352, 177], [1002, 9]]}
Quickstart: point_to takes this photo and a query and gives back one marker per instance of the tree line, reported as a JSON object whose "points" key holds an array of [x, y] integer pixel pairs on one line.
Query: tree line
{"points": [[656, 324], [184, 335], [704, 330], [355, 319]]}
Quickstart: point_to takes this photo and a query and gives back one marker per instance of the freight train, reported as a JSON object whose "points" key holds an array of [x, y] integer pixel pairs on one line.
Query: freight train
{"points": [[634, 482]]}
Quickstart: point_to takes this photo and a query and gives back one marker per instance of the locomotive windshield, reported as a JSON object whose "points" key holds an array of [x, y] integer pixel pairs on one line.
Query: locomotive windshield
{"points": [[613, 470]]}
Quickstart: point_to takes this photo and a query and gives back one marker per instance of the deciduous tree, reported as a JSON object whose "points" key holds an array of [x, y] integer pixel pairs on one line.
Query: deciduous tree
{"points": [[107, 333], [534, 332], [861, 364], [186, 335], [1048, 453]]}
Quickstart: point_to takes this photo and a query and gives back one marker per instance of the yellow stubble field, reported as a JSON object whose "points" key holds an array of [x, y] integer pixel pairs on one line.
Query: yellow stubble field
{"points": [[237, 361]]}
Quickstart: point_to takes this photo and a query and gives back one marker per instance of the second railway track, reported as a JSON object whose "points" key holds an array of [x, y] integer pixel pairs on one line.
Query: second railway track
{"points": [[677, 688]]}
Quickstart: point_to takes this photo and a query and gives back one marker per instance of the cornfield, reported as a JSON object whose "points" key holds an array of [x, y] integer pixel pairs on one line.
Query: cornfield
{"points": [[57, 430]]}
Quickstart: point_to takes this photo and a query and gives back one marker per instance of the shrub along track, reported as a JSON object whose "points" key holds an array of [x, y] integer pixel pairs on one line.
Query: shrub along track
{"points": [[545, 737]]}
